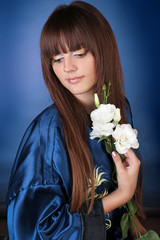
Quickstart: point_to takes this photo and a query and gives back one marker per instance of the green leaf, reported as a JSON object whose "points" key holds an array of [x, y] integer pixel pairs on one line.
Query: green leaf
{"points": [[132, 206], [109, 139], [108, 147], [102, 138], [150, 235], [125, 225]]}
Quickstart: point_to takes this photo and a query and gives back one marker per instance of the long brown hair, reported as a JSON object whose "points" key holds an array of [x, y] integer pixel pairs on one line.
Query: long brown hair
{"points": [[73, 26]]}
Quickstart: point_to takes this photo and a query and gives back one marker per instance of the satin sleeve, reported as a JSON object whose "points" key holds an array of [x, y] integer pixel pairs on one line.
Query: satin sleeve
{"points": [[40, 185], [39, 193]]}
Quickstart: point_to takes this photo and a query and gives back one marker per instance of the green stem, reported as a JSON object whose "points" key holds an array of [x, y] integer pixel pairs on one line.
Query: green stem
{"points": [[104, 93], [136, 226], [108, 92], [133, 223], [114, 178]]}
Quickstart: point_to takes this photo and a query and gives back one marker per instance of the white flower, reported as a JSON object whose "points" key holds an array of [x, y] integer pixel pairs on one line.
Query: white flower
{"points": [[125, 137], [117, 116], [102, 130], [101, 118], [103, 114]]}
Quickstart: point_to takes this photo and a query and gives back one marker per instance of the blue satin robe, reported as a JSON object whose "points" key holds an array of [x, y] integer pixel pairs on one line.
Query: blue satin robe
{"points": [[39, 193]]}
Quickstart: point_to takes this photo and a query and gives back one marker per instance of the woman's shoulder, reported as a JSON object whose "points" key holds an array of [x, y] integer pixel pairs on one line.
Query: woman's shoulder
{"points": [[35, 153], [48, 115], [46, 121], [45, 128]]}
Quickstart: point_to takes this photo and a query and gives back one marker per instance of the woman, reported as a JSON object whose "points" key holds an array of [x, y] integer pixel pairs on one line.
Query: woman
{"points": [[54, 192]]}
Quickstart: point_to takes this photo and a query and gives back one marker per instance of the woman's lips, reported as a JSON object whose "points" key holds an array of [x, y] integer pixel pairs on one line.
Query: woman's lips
{"points": [[75, 79]]}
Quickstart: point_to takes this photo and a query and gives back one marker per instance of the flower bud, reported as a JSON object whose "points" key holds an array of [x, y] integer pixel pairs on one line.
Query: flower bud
{"points": [[104, 87], [96, 100], [117, 116]]}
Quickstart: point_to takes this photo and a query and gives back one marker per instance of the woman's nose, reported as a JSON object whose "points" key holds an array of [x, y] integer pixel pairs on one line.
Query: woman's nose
{"points": [[69, 64]]}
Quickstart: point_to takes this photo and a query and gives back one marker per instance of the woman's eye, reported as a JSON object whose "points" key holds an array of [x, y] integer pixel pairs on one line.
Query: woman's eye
{"points": [[58, 58], [80, 53]]}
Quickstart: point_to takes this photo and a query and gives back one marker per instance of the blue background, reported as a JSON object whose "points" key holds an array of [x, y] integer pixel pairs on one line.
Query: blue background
{"points": [[23, 93]]}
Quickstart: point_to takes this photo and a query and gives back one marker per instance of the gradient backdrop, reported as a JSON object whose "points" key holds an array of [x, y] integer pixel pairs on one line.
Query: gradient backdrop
{"points": [[23, 93]]}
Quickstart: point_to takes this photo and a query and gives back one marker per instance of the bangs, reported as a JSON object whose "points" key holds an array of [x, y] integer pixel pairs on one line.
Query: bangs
{"points": [[67, 30], [67, 41]]}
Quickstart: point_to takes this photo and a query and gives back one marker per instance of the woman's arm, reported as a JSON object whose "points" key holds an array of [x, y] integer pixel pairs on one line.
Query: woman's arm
{"points": [[127, 176], [41, 212], [40, 187]]}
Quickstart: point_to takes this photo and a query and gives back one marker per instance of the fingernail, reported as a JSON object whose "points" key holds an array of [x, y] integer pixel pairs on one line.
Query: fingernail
{"points": [[114, 154]]}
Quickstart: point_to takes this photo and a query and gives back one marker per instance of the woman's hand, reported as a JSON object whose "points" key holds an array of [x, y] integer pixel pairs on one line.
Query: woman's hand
{"points": [[127, 173], [127, 177]]}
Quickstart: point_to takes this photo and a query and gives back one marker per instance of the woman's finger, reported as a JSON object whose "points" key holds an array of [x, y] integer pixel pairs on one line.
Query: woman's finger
{"points": [[117, 160]]}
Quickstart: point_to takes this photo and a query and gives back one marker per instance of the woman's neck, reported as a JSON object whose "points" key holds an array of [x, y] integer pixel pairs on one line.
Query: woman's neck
{"points": [[88, 102], [87, 99]]}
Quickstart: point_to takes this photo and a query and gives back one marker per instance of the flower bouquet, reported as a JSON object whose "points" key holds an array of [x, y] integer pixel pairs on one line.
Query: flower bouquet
{"points": [[119, 138]]}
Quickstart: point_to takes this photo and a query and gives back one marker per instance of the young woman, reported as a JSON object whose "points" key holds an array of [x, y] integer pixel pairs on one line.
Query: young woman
{"points": [[61, 186]]}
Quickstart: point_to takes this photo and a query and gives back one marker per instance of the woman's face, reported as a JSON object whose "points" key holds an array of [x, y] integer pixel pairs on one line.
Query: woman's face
{"points": [[77, 72]]}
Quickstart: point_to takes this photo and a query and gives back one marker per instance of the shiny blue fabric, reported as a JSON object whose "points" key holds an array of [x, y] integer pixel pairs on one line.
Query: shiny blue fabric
{"points": [[39, 193]]}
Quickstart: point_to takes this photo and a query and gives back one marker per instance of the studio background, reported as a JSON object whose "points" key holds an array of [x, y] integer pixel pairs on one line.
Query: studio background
{"points": [[23, 94]]}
